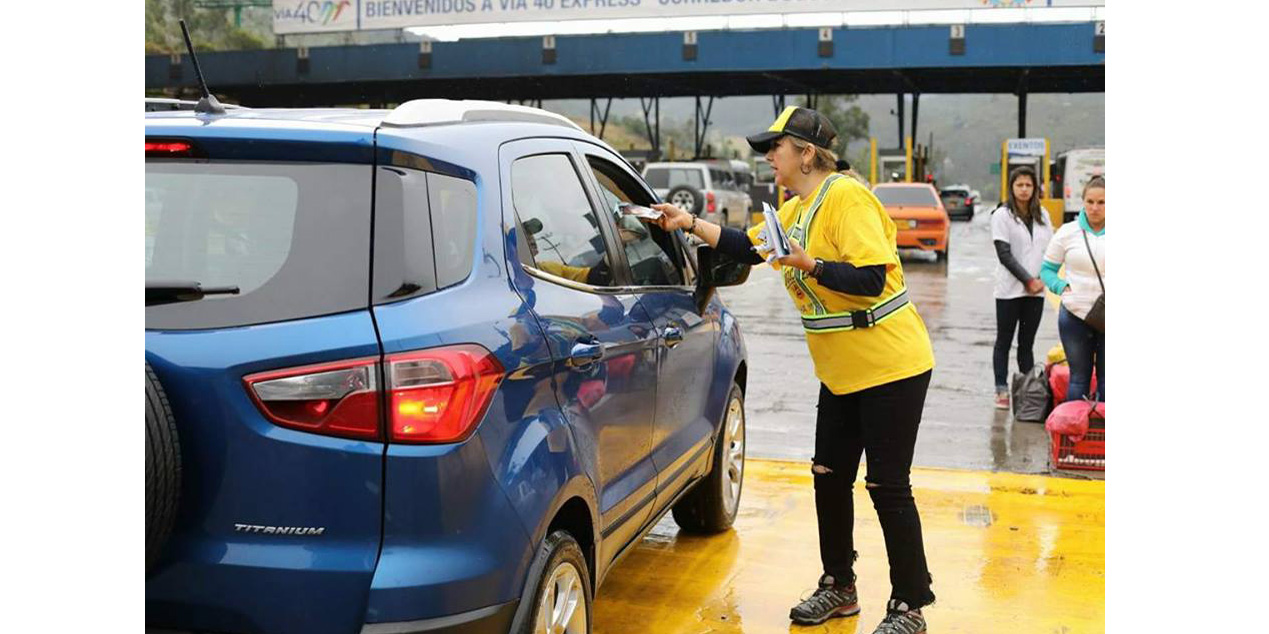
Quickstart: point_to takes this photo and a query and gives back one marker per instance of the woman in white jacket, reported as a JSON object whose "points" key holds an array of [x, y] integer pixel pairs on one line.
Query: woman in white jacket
{"points": [[1020, 231], [1081, 246]]}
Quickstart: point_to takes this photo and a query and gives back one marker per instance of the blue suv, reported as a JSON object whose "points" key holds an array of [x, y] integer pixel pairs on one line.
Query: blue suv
{"points": [[415, 371]]}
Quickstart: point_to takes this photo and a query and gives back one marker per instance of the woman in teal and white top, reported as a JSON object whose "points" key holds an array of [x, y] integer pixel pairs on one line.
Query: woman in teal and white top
{"points": [[1085, 346]]}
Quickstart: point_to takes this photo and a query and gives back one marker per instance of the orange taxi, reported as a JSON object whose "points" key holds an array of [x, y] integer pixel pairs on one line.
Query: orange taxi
{"points": [[918, 214]]}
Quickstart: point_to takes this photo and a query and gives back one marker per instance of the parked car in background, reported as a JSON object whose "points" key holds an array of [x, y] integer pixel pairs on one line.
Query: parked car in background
{"points": [[703, 188], [763, 188], [743, 174], [412, 371], [919, 216], [959, 201]]}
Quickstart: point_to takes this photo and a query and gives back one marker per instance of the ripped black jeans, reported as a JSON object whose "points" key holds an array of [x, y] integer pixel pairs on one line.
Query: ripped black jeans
{"points": [[881, 422]]}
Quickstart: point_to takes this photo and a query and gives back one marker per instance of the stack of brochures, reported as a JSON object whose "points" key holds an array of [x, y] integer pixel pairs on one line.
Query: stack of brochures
{"points": [[775, 242]]}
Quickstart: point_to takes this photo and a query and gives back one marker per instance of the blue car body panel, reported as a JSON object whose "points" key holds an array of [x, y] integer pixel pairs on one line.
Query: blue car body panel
{"points": [[239, 468], [423, 531]]}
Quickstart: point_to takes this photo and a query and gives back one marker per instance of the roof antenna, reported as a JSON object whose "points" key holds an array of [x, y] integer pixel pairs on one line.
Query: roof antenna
{"points": [[208, 104]]}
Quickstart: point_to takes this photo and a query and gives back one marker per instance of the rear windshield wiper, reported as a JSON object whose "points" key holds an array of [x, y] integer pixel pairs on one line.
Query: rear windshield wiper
{"points": [[172, 291]]}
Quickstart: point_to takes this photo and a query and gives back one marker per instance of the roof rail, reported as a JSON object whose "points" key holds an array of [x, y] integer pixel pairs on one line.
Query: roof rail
{"points": [[424, 112], [160, 104]]}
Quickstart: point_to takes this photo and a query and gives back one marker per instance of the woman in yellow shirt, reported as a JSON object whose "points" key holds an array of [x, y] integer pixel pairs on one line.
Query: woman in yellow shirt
{"points": [[872, 356]]}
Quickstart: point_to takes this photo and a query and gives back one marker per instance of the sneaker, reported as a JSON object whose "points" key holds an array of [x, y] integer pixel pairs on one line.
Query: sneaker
{"points": [[829, 601], [901, 620], [1002, 400]]}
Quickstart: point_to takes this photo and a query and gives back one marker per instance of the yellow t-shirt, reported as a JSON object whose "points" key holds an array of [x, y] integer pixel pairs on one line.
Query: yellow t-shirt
{"points": [[575, 273], [852, 226]]}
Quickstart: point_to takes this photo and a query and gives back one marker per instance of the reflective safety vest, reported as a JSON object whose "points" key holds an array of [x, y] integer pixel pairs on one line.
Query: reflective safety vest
{"points": [[815, 317]]}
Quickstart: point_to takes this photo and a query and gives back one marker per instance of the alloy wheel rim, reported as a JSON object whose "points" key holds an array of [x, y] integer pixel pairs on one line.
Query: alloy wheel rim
{"points": [[734, 456], [562, 603], [683, 200]]}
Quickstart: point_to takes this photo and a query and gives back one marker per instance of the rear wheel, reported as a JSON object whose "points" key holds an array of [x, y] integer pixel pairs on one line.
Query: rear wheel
{"points": [[942, 256], [712, 506], [563, 592], [162, 468]]}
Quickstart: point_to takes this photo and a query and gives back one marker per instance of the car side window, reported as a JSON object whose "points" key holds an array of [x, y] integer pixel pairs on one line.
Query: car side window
{"points": [[654, 259], [720, 180], [559, 225], [453, 206]]}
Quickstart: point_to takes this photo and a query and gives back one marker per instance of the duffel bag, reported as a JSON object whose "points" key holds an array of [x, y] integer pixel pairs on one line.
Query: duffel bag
{"points": [[1060, 380], [1030, 394]]}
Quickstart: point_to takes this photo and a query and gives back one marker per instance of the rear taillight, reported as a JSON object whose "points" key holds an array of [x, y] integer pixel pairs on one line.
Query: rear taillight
{"points": [[433, 396], [170, 148], [709, 202], [334, 399], [439, 395]]}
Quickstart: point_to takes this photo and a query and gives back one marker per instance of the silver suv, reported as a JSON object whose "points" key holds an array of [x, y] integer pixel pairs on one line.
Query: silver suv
{"points": [[707, 189]]}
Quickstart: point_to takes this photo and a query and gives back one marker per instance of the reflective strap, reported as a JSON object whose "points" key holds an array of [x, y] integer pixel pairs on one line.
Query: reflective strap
{"points": [[804, 222], [802, 230], [866, 318]]}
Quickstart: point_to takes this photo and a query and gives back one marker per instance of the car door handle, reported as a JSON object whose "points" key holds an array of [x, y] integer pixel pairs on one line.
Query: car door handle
{"points": [[585, 353], [673, 336]]}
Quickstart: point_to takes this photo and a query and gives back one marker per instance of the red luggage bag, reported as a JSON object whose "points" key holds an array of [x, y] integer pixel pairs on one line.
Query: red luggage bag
{"points": [[1060, 379]]}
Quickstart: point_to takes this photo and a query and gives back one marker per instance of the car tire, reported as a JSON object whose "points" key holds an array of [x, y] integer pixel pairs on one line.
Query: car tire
{"points": [[687, 198], [565, 572], [712, 506], [162, 469], [942, 256]]}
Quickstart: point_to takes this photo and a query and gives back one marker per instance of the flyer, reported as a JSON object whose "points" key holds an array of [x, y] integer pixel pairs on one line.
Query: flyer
{"points": [[777, 241], [639, 211]]}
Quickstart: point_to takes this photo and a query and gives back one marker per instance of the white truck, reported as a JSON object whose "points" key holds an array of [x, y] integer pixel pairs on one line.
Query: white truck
{"points": [[1071, 171]]}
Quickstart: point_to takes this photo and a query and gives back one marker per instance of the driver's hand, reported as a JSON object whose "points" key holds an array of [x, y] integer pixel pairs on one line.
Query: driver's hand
{"points": [[673, 218]]}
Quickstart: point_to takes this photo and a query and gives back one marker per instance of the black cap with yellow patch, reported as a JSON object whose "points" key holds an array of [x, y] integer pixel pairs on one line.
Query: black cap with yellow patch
{"points": [[803, 123]]}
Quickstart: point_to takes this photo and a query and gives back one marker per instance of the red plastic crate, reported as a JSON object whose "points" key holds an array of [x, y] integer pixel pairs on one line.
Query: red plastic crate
{"points": [[1088, 454]]}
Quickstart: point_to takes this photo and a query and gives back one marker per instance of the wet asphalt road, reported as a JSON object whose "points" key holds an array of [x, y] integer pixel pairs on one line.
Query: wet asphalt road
{"points": [[961, 428]]}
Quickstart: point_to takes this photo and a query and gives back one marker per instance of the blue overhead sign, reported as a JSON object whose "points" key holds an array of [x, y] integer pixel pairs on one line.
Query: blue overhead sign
{"points": [[321, 16]]}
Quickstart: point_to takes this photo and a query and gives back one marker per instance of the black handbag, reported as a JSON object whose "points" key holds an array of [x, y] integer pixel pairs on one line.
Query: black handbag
{"points": [[1096, 317], [1031, 395]]}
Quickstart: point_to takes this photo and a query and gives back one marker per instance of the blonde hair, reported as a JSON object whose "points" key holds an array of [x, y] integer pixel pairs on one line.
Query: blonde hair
{"points": [[824, 161], [855, 175]]}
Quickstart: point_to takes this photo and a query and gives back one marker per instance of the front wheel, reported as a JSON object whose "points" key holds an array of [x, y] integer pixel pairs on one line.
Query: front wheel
{"points": [[563, 595], [713, 505]]}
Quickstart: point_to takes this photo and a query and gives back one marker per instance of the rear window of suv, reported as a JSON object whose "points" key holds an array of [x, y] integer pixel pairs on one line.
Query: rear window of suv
{"points": [[293, 237], [671, 177], [906, 197]]}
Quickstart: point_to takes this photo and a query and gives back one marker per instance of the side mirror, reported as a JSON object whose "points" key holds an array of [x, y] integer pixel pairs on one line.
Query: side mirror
{"points": [[717, 269]]}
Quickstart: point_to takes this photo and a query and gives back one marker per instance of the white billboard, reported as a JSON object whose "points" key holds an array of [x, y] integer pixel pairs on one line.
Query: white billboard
{"points": [[323, 16]]}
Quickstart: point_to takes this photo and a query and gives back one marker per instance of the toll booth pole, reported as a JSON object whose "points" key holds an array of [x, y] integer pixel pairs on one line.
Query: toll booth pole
{"points": [[872, 161], [907, 159]]}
